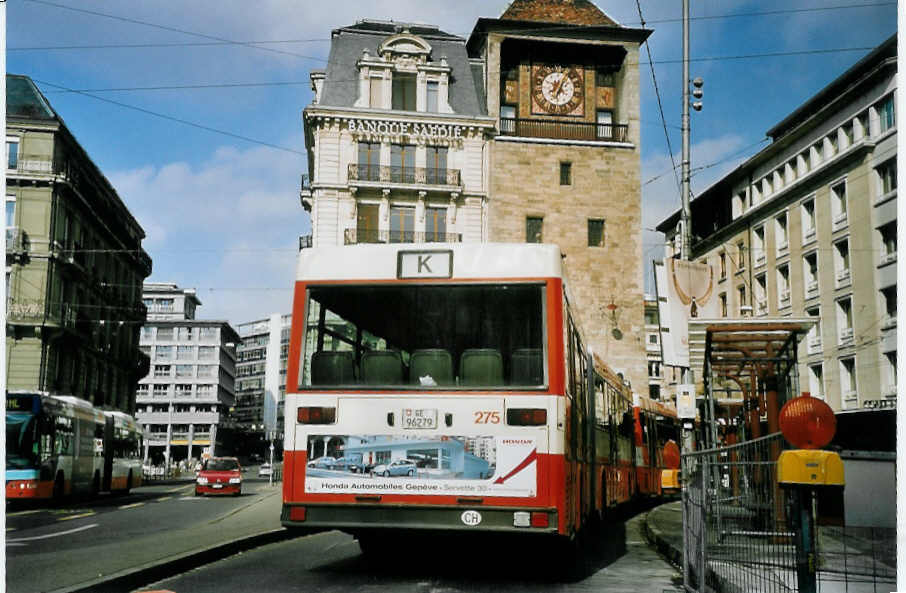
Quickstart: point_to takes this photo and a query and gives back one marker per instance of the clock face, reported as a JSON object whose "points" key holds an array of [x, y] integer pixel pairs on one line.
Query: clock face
{"points": [[558, 90]]}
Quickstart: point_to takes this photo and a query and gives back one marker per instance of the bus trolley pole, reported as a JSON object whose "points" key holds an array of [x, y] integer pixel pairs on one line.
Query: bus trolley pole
{"points": [[685, 219]]}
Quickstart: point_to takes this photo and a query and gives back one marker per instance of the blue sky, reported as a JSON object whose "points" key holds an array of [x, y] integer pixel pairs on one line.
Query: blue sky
{"points": [[222, 214]]}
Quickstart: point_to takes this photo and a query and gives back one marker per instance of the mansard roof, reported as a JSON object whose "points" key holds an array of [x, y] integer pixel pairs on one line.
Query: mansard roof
{"points": [[341, 82]]}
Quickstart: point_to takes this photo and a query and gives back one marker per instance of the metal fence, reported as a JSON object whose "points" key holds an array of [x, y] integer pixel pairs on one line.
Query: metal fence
{"points": [[737, 538]]}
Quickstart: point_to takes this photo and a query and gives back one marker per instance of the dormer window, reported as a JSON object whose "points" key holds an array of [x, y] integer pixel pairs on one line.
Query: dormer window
{"points": [[403, 77], [404, 92]]}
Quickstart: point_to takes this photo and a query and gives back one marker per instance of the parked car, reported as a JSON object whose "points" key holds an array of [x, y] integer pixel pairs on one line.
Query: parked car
{"points": [[325, 462], [397, 467], [219, 475], [350, 464], [265, 470]]}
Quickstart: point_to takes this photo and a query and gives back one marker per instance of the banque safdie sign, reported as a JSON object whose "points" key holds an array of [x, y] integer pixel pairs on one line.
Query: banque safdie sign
{"points": [[414, 130]]}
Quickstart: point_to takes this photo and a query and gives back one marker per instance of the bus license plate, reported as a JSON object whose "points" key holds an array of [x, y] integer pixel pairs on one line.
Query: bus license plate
{"points": [[419, 418]]}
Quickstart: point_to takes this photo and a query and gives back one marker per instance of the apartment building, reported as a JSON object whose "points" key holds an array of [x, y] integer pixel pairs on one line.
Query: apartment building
{"points": [[74, 263], [808, 227], [184, 400]]}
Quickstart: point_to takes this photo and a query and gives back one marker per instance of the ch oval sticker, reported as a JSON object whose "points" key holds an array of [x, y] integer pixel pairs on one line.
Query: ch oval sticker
{"points": [[471, 518]]}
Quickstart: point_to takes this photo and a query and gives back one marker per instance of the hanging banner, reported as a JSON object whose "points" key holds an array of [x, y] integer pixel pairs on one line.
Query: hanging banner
{"points": [[689, 291]]}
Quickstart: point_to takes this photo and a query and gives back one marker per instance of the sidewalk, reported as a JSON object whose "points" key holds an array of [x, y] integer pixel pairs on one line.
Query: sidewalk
{"points": [[664, 529]]}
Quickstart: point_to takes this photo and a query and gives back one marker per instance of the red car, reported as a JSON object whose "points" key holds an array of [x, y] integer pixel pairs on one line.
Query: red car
{"points": [[219, 475]]}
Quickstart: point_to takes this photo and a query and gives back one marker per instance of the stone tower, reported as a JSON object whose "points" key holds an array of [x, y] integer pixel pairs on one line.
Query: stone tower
{"points": [[562, 80]]}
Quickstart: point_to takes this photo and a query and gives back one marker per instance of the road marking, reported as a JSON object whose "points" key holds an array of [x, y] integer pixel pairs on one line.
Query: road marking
{"points": [[49, 535], [131, 506], [70, 517], [163, 498], [22, 513], [10, 528], [181, 488]]}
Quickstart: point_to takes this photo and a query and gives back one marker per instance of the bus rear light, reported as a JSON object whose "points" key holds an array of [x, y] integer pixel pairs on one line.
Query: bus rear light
{"points": [[317, 415], [297, 513], [526, 417], [540, 519]]}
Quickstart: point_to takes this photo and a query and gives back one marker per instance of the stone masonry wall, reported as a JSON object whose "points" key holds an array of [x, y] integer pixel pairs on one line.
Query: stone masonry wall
{"points": [[525, 181]]}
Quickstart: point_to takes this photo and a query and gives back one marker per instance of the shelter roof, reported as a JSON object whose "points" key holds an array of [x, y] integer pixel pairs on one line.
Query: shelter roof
{"points": [[733, 345]]}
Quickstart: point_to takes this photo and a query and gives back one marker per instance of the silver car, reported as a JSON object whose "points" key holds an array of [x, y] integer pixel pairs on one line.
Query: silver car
{"points": [[397, 467]]}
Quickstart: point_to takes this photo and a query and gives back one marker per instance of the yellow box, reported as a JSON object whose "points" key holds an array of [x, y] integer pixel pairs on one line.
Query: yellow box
{"points": [[670, 479], [810, 467]]}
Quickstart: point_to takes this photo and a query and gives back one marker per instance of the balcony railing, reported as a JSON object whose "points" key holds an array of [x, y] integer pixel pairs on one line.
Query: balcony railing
{"points": [[304, 242], [563, 130], [353, 236], [16, 240], [400, 174]]}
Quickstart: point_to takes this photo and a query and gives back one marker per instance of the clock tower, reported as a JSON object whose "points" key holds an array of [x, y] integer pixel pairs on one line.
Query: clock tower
{"points": [[562, 80]]}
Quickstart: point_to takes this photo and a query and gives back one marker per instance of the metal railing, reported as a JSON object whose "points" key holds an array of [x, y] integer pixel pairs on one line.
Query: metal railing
{"points": [[305, 242], [563, 130], [737, 535], [402, 174], [354, 236]]}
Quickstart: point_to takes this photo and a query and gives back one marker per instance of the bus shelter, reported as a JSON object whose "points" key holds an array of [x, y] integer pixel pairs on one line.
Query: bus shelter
{"points": [[749, 370]]}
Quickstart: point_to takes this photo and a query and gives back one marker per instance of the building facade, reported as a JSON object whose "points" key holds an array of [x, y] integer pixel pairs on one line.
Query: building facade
{"points": [[808, 227], [261, 381], [184, 400], [527, 131], [396, 139], [74, 263]]}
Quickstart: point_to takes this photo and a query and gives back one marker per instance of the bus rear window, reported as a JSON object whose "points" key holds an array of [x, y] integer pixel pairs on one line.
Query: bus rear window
{"points": [[425, 337]]}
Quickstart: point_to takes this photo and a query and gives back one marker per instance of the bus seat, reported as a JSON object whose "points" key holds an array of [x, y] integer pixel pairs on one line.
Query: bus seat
{"points": [[431, 362], [332, 367], [526, 367], [481, 366], [382, 367]]}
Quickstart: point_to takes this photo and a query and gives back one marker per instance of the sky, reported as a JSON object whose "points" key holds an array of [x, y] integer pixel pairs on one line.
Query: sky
{"points": [[202, 136]]}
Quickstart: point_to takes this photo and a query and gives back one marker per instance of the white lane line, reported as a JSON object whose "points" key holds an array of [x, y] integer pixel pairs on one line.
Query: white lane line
{"points": [[49, 535], [81, 516], [131, 506]]}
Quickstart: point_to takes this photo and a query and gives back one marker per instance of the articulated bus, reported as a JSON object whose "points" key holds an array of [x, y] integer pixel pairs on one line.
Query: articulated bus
{"points": [[59, 445], [449, 388]]}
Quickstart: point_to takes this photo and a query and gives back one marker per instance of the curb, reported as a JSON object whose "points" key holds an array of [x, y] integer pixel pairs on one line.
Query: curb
{"points": [[133, 578], [656, 538]]}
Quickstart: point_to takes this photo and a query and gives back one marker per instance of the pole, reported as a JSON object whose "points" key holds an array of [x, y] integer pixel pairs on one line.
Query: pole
{"points": [[3, 294], [686, 215]]}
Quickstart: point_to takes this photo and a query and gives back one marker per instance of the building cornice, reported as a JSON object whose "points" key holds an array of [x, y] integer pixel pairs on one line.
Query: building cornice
{"points": [[317, 112]]}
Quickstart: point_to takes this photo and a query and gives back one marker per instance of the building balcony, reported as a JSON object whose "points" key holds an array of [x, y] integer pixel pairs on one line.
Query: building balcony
{"points": [[842, 277], [16, 243], [839, 220], [811, 289], [421, 176], [354, 236], [304, 242], [845, 337], [784, 299], [563, 130], [814, 344]]}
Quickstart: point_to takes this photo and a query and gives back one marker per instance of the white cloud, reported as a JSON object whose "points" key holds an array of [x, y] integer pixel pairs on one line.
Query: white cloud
{"points": [[228, 227]]}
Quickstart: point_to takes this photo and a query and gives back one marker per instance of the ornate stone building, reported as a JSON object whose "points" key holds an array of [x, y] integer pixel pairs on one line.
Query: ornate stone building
{"points": [[397, 139], [527, 131]]}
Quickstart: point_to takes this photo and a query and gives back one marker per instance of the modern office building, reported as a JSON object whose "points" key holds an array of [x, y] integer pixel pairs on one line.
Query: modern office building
{"points": [[261, 382], [808, 227], [74, 263], [184, 400], [527, 131]]}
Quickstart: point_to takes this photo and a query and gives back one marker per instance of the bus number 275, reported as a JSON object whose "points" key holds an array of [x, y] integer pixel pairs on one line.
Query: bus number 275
{"points": [[487, 417]]}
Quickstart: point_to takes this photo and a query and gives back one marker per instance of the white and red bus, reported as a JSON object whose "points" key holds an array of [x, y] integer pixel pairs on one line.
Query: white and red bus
{"points": [[58, 445], [448, 388]]}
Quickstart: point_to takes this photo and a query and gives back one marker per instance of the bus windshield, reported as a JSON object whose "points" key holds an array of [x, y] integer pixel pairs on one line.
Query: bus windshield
{"points": [[477, 336], [21, 446]]}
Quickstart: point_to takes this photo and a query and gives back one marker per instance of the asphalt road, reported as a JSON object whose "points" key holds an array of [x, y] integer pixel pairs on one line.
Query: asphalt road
{"points": [[618, 560], [67, 547]]}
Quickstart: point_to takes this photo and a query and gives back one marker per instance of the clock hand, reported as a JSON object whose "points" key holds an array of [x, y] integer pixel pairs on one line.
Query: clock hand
{"points": [[556, 91]]}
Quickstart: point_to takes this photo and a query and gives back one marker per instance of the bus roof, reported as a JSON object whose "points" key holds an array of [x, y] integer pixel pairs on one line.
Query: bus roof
{"points": [[454, 261]]}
